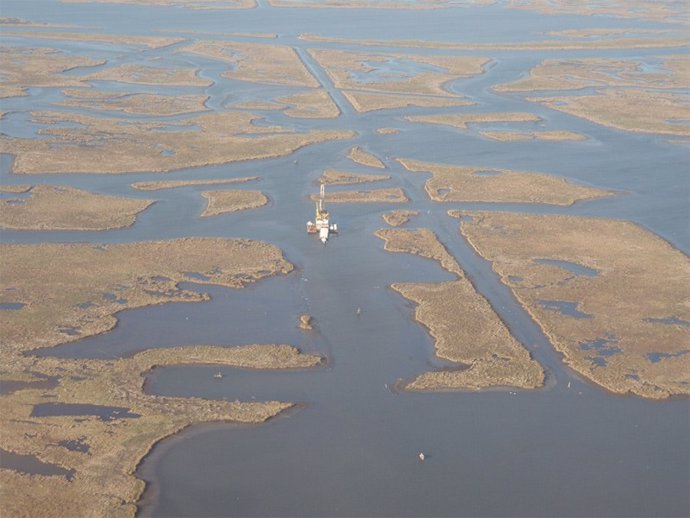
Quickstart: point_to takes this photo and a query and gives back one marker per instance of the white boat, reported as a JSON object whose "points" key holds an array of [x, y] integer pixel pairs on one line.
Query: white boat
{"points": [[321, 224]]}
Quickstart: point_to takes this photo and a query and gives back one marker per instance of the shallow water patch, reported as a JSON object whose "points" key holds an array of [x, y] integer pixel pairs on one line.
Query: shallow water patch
{"points": [[11, 306], [80, 445], [570, 266], [377, 71], [564, 308], [197, 276], [111, 297], [10, 386], [671, 321], [602, 348], [31, 465], [70, 330], [104, 413], [656, 357], [230, 383]]}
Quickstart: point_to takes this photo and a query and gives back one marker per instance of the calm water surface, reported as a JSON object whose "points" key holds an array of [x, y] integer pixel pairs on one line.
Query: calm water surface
{"points": [[351, 446]]}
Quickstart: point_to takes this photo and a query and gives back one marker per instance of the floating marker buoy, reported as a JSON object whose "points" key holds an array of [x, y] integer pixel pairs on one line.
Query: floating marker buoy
{"points": [[421, 456]]}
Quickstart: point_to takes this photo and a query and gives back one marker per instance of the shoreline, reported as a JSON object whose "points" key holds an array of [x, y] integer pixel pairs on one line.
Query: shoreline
{"points": [[650, 392]]}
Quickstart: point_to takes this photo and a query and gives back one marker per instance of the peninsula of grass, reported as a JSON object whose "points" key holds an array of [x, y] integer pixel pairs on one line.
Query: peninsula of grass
{"points": [[387, 195], [397, 218], [332, 177], [450, 183], [70, 291], [174, 184], [465, 329], [362, 157], [232, 200], [213, 138], [54, 207]]}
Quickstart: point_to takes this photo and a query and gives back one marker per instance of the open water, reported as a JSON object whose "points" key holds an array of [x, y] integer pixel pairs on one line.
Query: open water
{"points": [[351, 447]]}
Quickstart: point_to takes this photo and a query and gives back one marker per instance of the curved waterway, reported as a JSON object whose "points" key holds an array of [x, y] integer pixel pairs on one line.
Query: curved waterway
{"points": [[352, 448], [351, 445]]}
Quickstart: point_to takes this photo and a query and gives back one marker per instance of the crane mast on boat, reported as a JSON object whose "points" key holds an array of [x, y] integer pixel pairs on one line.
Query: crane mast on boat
{"points": [[321, 224]]}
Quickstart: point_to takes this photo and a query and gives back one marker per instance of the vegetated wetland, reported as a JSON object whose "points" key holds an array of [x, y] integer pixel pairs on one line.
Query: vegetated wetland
{"points": [[577, 250]]}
